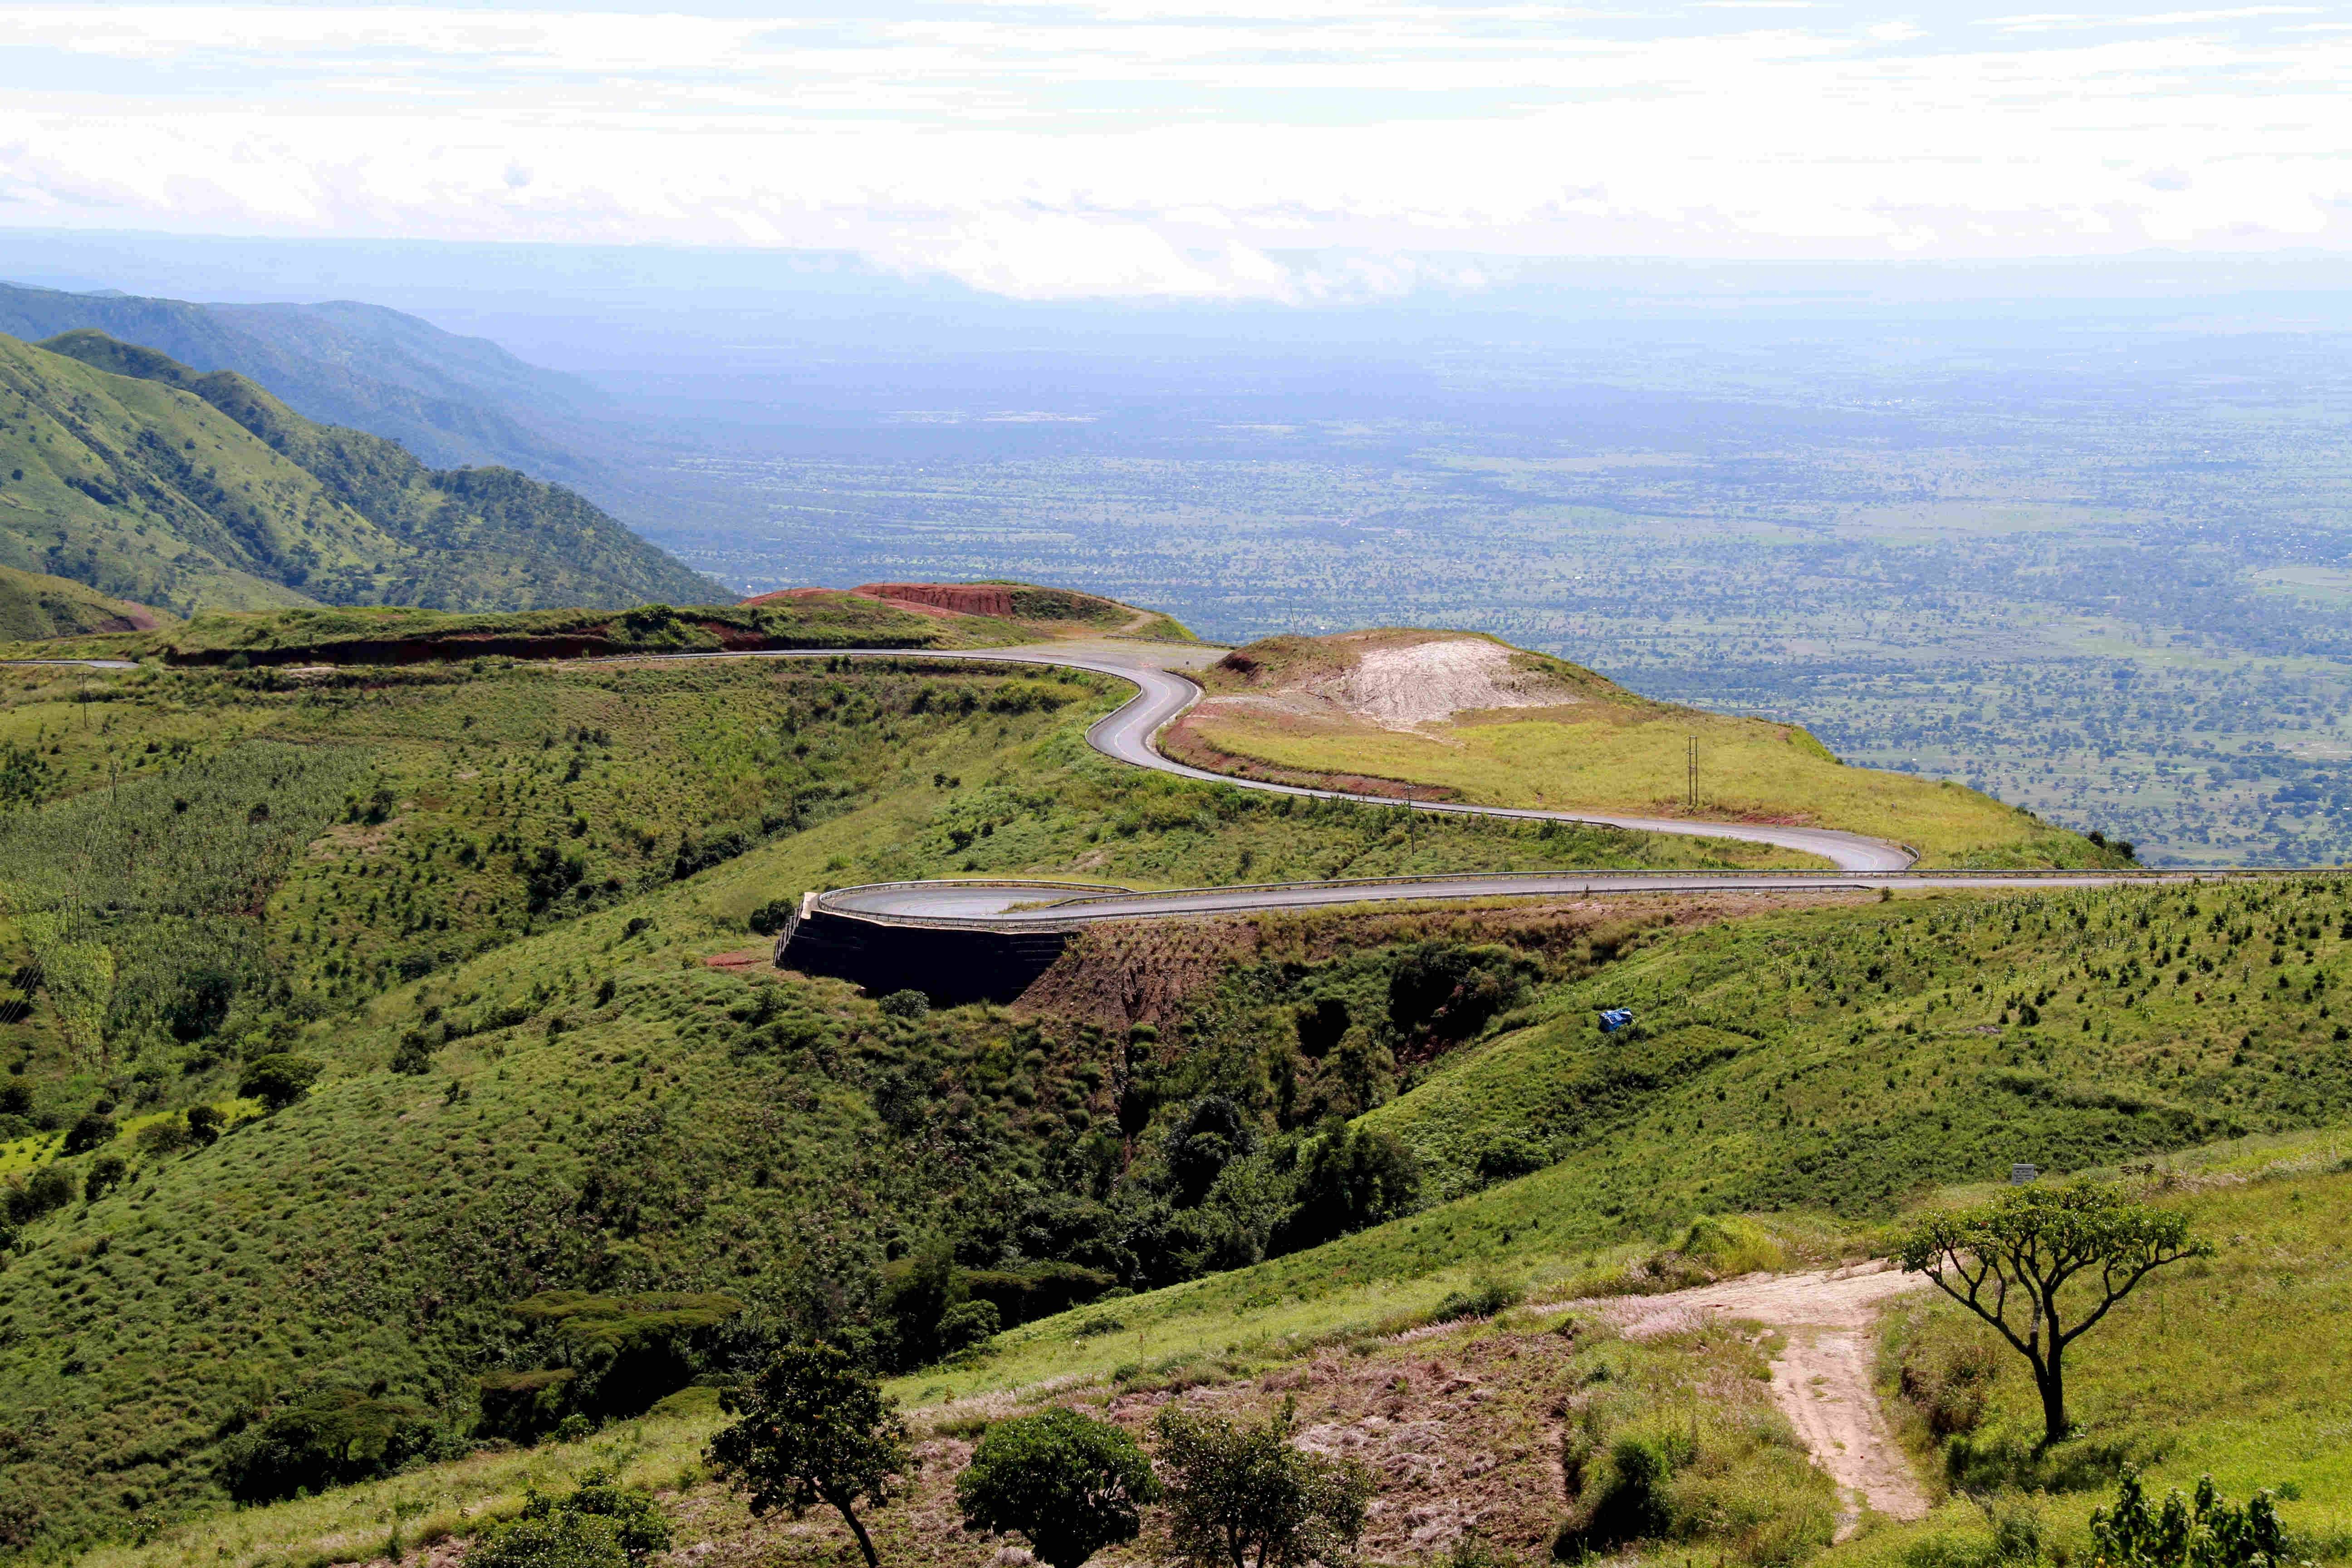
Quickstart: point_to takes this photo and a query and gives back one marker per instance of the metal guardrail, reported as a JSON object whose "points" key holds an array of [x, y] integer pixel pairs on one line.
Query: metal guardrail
{"points": [[1762, 880]]}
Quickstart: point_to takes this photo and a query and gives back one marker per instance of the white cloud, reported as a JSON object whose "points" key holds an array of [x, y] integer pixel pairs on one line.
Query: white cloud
{"points": [[1129, 147]]}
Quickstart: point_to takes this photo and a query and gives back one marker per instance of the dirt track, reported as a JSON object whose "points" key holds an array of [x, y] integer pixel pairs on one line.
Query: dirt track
{"points": [[1821, 1379]]}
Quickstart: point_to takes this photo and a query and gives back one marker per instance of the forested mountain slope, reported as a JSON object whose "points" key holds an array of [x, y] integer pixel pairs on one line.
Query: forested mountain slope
{"points": [[451, 400], [124, 470]]}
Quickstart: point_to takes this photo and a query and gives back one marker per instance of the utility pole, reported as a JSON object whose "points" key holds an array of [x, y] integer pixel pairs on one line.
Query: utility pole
{"points": [[1694, 773]]}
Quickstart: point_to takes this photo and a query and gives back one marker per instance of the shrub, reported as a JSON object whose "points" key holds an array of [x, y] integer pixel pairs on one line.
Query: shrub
{"points": [[1233, 1489], [1068, 1484], [106, 1174], [904, 1005], [1447, 991], [555, 1540], [1482, 1299], [164, 1137], [2204, 1532], [1949, 1381], [1507, 1156], [630, 1519], [1040, 1291], [968, 1324], [330, 1440], [1350, 1178], [626, 1351], [277, 1080], [90, 1132], [524, 1406], [1627, 1500], [48, 1188], [203, 1124], [1213, 1134], [413, 1056], [773, 916]]}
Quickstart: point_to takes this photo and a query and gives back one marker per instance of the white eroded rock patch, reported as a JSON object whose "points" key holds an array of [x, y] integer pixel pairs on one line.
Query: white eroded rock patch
{"points": [[1428, 682]]}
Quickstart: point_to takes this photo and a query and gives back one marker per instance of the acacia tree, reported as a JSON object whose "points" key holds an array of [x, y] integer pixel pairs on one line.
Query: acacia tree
{"points": [[1246, 1497], [814, 1429], [2008, 1261], [1070, 1484]]}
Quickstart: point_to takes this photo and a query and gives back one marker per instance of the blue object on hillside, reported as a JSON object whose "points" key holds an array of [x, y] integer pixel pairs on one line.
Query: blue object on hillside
{"points": [[1615, 1018]]}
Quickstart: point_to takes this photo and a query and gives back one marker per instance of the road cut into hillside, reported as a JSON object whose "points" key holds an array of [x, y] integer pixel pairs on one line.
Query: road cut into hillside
{"points": [[1821, 1378]]}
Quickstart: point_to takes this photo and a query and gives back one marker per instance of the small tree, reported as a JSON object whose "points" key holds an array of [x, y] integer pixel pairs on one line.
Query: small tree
{"points": [[1246, 1496], [1068, 1484], [814, 1429], [279, 1080], [106, 1174], [2008, 1261]]}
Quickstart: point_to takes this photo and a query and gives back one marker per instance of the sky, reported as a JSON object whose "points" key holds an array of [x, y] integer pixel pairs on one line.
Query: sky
{"points": [[1287, 150]]}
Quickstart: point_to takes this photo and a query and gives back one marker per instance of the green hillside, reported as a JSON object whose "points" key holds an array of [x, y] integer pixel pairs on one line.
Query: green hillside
{"points": [[34, 608], [123, 470], [515, 914], [516, 874], [451, 400]]}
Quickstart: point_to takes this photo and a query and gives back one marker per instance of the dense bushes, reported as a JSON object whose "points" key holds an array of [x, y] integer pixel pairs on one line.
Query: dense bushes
{"points": [[1446, 992], [1067, 1483], [277, 1080], [48, 1188], [1348, 1178], [613, 1355], [330, 1440], [599, 1525]]}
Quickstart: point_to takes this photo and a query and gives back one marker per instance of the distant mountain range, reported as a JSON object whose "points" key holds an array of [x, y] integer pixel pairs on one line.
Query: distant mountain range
{"points": [[125, 470], [452, 401]]}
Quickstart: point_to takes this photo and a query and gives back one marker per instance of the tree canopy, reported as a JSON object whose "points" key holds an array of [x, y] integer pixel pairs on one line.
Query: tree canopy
{"points": [[1247, 1497], [2009, 1261], [1068, 1484], [813, 1428]]}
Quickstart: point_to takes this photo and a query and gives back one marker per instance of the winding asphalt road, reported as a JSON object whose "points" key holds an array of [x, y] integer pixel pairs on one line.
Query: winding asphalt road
{"points": [[1163, 693]]}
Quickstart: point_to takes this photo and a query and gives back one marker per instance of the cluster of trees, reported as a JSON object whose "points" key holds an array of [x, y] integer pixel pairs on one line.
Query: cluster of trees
{"points": [[1238, 1146], [813, 1429]]}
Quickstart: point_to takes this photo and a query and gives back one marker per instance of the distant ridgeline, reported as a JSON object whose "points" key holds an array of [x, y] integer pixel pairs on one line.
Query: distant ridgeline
{"points": [[124, 470], [453, 401]]}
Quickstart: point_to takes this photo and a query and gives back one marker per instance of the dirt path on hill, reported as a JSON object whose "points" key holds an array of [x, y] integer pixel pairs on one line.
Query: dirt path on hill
{"points": [[1821, 1379]]}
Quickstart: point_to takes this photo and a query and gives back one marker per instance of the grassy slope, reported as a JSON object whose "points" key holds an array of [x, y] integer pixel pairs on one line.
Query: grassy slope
{"points": [[2207, 1370], [1611, 751], [228, 1274], [484, 538], [148, 493], [36, 606], [148, 483]]}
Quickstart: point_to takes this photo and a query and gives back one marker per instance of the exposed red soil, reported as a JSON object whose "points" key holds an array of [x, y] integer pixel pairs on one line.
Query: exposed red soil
{"points": [[957, 598]]}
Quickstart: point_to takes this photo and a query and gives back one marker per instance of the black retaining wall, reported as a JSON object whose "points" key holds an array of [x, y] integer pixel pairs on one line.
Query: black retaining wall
{"points": [[950, 965]]}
